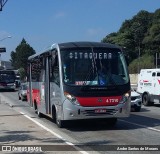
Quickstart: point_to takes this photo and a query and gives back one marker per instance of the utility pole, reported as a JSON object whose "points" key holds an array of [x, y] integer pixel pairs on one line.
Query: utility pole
{"points": [[139, 55], [156, 59], [3, 49]]}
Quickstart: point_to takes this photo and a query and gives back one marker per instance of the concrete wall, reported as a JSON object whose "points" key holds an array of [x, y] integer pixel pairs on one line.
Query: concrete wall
{"points": [[5, 65], [133, 78]]}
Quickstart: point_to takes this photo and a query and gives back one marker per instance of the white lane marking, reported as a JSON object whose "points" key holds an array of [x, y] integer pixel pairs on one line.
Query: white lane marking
{"points": [[150, 128], [55, 134]]}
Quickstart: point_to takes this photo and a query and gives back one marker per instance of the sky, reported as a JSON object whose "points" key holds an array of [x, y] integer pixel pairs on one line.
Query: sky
{"points": [[44, 22]]}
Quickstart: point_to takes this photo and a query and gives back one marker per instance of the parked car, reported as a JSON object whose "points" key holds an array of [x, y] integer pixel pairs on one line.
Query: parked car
{"points": [[22, 92], [136, 101]]}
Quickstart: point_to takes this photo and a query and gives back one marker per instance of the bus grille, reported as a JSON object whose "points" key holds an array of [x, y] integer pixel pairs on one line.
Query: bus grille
{"points": [[93, 113]]}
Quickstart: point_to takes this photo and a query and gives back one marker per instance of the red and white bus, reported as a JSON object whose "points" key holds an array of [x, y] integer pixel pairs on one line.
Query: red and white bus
{"points": [[79, 80]]}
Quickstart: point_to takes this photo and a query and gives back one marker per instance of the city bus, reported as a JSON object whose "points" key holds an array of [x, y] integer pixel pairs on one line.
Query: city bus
{"points": [[7, 80], [79, 80]]}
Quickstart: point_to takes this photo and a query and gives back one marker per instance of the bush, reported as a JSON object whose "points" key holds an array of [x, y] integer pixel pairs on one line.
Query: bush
{"points": [[22, 73], [144, 62]]}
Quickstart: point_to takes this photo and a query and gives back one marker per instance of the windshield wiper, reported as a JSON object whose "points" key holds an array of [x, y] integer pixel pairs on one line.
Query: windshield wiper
{"points": [[93, 67], [88, 76]]}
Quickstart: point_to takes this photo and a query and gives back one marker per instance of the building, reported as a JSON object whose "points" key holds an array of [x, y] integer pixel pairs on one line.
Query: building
{"points": [[5, 65]]}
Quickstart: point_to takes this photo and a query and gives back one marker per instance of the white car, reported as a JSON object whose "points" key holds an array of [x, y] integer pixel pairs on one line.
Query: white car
{"points": [[136, 101], [22, 92]]}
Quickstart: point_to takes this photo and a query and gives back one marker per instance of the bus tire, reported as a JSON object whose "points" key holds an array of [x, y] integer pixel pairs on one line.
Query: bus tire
{"points": [[54, 114], [60, 123]]}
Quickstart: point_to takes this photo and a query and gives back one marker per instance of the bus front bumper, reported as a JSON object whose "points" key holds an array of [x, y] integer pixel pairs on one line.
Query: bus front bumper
{"points": [[73, 112]]}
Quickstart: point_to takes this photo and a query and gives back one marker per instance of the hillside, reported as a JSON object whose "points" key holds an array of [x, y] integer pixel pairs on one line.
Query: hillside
{"points": [[140, 38]]}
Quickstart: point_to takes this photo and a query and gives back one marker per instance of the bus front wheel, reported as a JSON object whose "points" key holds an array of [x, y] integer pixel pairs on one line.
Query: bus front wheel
{"points": [[60, 123]]}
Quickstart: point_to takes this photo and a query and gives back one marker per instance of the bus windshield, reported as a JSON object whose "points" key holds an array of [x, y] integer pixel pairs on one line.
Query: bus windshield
{"points": [[6, 77], [94, 67]]}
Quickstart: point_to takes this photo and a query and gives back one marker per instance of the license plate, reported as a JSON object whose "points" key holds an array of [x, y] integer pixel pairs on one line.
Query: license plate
{"points": [[100, 111]]}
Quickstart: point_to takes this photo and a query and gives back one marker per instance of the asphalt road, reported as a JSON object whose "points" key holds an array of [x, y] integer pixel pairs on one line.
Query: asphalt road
{"points": [[140, 131]]}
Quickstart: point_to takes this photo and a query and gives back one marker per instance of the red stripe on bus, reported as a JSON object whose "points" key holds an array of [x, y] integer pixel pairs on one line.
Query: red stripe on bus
{"points": [[99, 101]]}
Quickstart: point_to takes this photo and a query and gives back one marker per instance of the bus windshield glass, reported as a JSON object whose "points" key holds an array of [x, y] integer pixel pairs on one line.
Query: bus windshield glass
{"points": [[94, 67], [7, 77]]}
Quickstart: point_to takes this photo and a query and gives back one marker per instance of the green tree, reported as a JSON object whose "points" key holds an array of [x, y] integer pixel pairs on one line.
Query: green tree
{"points": [[13, 59], [144, 62], [140, 36], [20, 56], [152, 39], [22, 73]]}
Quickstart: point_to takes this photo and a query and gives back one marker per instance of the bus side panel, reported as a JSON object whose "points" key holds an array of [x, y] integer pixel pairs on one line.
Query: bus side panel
{"points": [[41, 98], [34, 93], [55, 99]]}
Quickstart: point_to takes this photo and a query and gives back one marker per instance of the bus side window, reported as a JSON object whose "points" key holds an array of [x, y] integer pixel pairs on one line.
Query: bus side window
{"points": [[42, 70], [51, 69], [56, 71]]}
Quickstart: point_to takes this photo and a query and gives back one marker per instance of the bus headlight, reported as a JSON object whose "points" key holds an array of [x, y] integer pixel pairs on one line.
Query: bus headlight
{"points": [[124, 98], [71, 98], [10, 84]]}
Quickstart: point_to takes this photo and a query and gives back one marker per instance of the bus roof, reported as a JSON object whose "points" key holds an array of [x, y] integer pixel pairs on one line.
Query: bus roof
{"points": [[86, 44], [76, 44]]}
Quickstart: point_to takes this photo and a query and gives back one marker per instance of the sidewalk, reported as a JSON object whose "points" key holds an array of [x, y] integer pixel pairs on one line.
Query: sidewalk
{"points": [[17, 130]]}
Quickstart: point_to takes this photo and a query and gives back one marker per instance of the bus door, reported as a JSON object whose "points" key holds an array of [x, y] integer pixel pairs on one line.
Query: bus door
{"points": [[47, 87], [44, 87], [55, 89]]}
